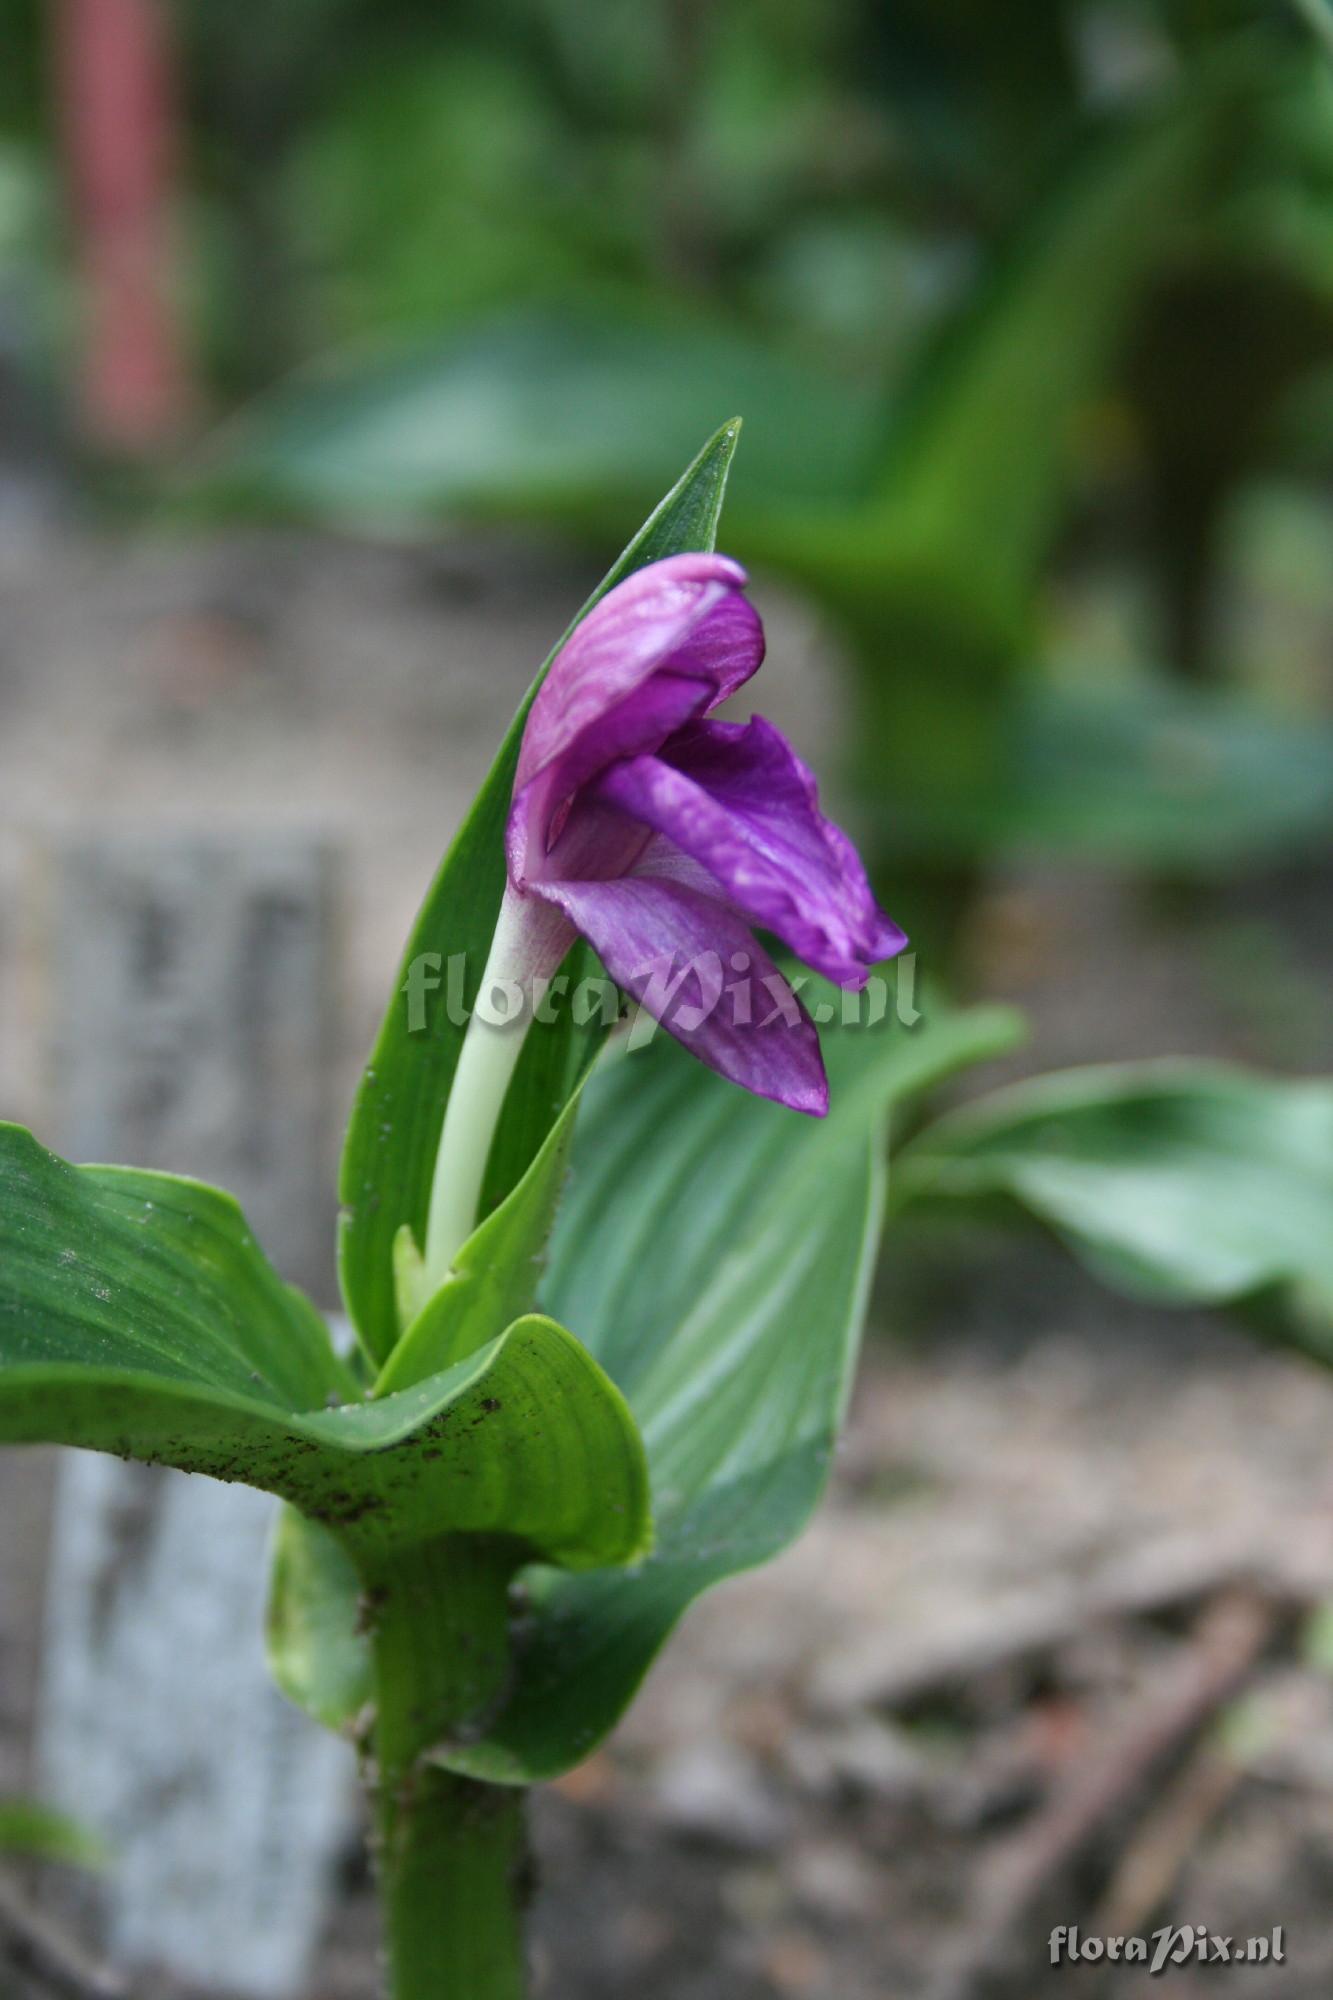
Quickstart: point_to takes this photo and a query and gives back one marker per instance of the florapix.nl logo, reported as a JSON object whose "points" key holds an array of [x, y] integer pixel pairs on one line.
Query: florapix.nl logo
{"points": [[686, 990], [1172, 1945]]}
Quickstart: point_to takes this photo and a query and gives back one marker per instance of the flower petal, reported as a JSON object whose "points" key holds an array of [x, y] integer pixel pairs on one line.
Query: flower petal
{"points": [[685, 615], [739, 801], [594, 841], [645, 718], [693, 965]]}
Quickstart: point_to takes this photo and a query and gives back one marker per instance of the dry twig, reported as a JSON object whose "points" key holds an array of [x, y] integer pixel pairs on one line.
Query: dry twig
{"points": [[1035, 1865], [1175, 1572], [32, 1945], [1156, 1858]]}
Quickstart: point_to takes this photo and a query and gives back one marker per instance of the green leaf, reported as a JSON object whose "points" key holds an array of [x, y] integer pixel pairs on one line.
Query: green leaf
{"points": [[933, 578], [714, 1251], [1182, 1182], [544, 412], [572, 417], [389, 1155], [495, 1274], [919, 511], [137, 1316], [981, 451], [1144, 773], [316, 1636], [40, 1833], [152, 1275], [721, 1284]]}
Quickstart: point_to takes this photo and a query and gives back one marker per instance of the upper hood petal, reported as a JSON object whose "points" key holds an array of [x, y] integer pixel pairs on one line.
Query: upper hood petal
{"points": [[686, 615]]}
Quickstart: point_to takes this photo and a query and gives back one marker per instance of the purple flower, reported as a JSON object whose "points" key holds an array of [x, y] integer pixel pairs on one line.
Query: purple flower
{"points": [[662, 836]]}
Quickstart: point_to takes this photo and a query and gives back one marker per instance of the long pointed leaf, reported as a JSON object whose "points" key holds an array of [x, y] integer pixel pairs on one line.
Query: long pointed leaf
{"points": [[391, 1142]]}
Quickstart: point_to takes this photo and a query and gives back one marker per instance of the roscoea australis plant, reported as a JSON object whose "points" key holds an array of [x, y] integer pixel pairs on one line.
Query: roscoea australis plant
{"points": [[494, 1514], [606, 1298]]}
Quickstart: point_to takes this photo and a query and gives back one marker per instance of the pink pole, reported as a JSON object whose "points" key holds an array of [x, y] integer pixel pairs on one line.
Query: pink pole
{"points": [[116, 85]]}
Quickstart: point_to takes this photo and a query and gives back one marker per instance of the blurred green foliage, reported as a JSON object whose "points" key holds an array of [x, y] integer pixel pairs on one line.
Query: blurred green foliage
{"points": [[1013, 308], [33, 1832], [1184, 1183]]}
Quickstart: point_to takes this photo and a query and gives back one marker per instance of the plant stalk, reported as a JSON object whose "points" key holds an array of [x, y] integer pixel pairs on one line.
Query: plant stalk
{"points": [[529, 942], [452, 1858]]}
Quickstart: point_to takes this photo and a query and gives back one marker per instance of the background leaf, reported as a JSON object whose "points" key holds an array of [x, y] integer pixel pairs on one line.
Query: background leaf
{"points": [[917, 504], [981, 449], [34, 1832], [1146, 773], [574, 414], [558, 412], [1183, 1182], [389, 1154]]}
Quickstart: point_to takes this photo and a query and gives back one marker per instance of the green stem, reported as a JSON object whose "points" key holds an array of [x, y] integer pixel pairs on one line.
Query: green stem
{"points": [[453, 1867], [452, 1856], [486, 1064]]}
